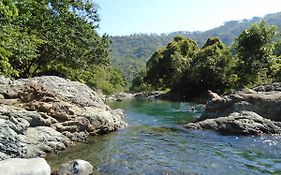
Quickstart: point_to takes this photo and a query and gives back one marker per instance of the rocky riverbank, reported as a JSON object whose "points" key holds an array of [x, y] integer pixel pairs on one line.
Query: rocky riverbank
{"points": [[160, 95], [246, 112], [47, 113]]}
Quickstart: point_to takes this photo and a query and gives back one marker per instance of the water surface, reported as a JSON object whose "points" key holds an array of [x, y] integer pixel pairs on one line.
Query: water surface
{"points": [[155, 142]]}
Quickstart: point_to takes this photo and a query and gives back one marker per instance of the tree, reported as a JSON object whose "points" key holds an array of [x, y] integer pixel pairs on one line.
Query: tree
{"points": [[277, 48], [165, 67], [139, 84], [55, 37], [276, 66], [108, 79], [68, 31], [16, 43], [254, 50], [212, 68]]}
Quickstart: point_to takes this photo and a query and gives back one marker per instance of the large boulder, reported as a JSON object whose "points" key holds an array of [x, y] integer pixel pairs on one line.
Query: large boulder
{"points": [[27, 134], [266, 104], [239, 123], [44, 114], [248, 111], [17, 166]]}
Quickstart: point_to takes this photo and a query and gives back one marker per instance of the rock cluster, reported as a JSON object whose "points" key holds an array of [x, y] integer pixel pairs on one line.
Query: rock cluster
{"points": [[256, 111], [122, 96], [39, 166], [43, 114]]}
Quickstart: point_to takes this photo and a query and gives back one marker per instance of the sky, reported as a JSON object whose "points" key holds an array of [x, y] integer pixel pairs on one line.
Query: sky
{"points": [[125, 17]]}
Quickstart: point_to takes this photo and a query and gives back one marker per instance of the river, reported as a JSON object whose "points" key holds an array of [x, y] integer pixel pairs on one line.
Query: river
{"points": [[155, 143]]}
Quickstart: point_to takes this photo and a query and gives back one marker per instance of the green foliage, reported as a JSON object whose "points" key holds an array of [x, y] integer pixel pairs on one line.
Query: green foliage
{"points": [[254, 50], [165, 67], [212, 68], [139, 84], [128, 66], [134, 49], [8, 9], [276, 69], [185, 69], [55, 38], [108, 79], [277, 48], [68, 31]]}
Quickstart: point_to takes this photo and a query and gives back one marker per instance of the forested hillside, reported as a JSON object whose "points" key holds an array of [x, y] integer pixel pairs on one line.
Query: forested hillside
{"points": [[129, 53], [188, 70]]}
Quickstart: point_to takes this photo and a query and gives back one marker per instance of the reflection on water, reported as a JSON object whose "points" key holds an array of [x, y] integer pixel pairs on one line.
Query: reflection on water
{"points": [[156, 143]]}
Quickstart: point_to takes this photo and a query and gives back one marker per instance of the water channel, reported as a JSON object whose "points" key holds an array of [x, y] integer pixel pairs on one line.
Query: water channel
{"points": [[155, 143]]}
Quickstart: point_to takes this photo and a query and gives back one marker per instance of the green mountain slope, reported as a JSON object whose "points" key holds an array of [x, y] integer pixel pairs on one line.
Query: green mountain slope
{"points": [[129, 53]]}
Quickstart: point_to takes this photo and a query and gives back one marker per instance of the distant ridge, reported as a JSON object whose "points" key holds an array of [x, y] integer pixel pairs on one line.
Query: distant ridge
{"points": [[129, 53]]}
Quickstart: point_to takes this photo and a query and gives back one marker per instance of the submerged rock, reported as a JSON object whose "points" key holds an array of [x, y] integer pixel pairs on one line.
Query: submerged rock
{"points": [[44, 114], [77, 167], [249, 111]]}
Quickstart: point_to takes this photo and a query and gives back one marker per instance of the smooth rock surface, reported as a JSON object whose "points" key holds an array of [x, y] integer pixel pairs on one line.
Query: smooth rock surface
{"points": [[17, 166]]}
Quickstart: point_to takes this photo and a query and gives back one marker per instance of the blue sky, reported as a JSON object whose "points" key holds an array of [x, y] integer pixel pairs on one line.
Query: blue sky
{"points": [[125, 17]]}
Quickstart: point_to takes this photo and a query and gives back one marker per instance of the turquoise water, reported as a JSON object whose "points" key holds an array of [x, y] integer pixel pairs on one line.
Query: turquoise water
{"points": [[155, 142]]}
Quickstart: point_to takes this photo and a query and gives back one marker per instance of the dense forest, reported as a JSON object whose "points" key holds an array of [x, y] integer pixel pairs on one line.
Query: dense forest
{"points": [[189, 70], [59, 38], [129, 53], [56, 38]]}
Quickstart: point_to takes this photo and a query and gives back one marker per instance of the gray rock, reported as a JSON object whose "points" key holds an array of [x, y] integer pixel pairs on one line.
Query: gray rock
{"points": [[12, 144], [239, 123], [64, 90], [244, 112], [17, 166], [4, 80], [77, 167], [270, 87], [266, 104], [120, 97], [43, 139], [18, 138], [44, 114], [153, 95]]}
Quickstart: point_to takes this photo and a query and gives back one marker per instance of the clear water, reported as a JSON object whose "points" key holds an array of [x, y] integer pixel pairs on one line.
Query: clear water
{"points": [[155, 142]]}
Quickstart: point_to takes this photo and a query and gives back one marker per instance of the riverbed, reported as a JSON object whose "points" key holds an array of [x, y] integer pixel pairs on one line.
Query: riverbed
{"points": [[155, 142]]}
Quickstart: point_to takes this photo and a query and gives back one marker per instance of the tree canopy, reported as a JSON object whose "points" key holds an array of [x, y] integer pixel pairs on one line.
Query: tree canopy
{"points": [[186, 69], [254, 48], [51, 37], [129, 52]]}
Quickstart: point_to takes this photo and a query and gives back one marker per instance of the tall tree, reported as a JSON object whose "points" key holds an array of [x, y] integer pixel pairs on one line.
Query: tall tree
{"points": [[254, 48], [212, 68], [68, 31], [15, 42], [166, 65]]}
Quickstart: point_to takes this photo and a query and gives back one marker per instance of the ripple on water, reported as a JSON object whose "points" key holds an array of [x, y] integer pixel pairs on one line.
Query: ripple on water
{"points": [[156, 143]]}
